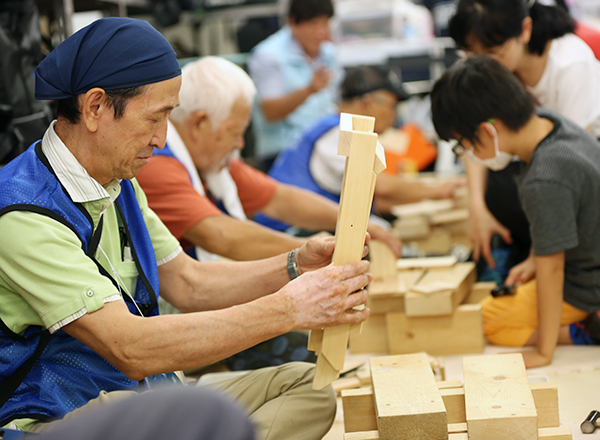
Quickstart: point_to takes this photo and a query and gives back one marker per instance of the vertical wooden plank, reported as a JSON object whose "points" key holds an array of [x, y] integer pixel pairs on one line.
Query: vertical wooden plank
{"points": [[545, 396], [498, 399], [407, 400], [383, 260], [359, 410], [364, 159]]}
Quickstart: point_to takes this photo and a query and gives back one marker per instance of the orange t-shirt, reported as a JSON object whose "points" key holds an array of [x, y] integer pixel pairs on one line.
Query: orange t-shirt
{"points": [[171, 195]]}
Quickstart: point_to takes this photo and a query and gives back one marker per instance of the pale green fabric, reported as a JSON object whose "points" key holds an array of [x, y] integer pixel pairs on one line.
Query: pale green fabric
{"points": [[45, 277]]}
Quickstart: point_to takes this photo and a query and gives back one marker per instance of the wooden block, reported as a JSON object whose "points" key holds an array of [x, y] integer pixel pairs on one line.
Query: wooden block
{"points": [[458, 436], [359, 410], [412, 228], [458, 333], [459, 278], [426, 207], [454, 428], [498, 399], [557, 433], [445, 384], [420, 263], [451, 216], [545, 396], [373, 338], [479, 292], [420, 412], [364, 435], [383, 260], [439, 241], [345, 383], [454, 401]]}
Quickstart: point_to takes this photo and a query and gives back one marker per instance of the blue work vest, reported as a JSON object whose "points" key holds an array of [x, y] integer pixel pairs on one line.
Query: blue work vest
{"points": [[60, 373], [296, 74], [293, 167]]}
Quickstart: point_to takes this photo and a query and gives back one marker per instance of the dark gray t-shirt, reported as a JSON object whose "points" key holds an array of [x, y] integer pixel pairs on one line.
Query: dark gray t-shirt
{"points": [[560, 193]]}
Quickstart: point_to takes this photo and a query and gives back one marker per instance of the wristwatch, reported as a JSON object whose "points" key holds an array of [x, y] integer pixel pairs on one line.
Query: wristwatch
{"points": [[292, 266]]}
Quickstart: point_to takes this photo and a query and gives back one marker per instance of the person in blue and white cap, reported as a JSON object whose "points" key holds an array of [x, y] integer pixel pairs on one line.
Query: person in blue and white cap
{"points": [[83, 258]]}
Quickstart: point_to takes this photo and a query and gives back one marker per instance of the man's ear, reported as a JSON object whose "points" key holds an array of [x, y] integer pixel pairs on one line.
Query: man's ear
{"points": [[199, 124], [93, 106], [526, 26]]}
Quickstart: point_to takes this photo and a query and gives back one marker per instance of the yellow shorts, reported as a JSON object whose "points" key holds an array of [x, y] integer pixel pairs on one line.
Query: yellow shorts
{"points": [[511, 320]]}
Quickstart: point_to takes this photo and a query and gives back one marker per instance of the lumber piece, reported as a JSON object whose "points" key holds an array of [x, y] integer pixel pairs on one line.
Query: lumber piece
{"points": [[498, 399], [425, 207], [363, 435], [440, 291], [365, 159], [439, 241], [359, 410], [412, 228], [454, 428], [383, 260], [424, 263], [388, 295], [420, 412], [458, 333], [479, 292], [451, 216], [454, 401], [557, 433], [545, 397], [372, 338], [562, 433]]}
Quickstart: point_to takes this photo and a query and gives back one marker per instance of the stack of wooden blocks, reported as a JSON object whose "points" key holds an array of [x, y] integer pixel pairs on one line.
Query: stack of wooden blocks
{"points": [[496, 402], [434, 226], [432, 309]]}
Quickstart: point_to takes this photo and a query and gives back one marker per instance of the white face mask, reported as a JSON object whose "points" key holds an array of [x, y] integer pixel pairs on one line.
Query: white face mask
{"points": [[500, 160]]}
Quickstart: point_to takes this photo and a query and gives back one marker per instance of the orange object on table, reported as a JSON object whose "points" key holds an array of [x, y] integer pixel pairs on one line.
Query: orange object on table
{"points": [[407, 150]]}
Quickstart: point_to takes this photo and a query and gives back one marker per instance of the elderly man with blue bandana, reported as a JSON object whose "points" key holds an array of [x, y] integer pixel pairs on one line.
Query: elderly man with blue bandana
{"points": [[83, 259]]}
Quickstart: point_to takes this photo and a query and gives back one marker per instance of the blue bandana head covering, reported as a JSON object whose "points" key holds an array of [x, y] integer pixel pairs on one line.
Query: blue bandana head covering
{"points": [[111, 53]]}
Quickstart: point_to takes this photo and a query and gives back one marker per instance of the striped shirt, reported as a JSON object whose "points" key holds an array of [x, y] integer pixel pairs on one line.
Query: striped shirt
{"points": [[560, 193]]}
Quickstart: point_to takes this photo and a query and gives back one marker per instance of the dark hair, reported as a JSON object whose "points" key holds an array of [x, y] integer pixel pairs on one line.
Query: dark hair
{"points": [[117, 99], [493, 22], [475, 90], [304, 10], [361, 80]]}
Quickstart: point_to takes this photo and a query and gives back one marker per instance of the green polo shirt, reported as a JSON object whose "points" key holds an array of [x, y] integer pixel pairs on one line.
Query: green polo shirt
{"points": [[45, 277]]}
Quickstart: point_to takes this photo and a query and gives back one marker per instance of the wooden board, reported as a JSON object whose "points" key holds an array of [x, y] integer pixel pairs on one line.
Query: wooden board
{"points": [[459, 278], [545, 397], [426, 207], [479, 292], [412, 228], [383, 260], [451, 216], [562, 433], [360, 407], [388, 295], [420, 263], [420, 412], [498, 399], [458, 333], [361, 411], [372, 338], [365, 159]]}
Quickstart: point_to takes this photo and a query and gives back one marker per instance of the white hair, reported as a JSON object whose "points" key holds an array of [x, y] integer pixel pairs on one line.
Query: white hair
{"points": [[213, 85]]}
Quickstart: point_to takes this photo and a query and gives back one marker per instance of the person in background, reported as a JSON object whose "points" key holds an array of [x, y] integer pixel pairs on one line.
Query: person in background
{"points": [[313, 163], [83, 258], [297, 78], [559, 189], [535, 41]]}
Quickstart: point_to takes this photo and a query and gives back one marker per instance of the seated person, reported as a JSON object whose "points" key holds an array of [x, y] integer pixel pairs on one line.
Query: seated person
{"points": [[297, 77], [196, 180], [479, 103], [313, 163], [83, 259]]}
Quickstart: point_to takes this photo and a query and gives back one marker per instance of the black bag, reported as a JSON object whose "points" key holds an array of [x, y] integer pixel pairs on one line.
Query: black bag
{"points": [[23, 120]]}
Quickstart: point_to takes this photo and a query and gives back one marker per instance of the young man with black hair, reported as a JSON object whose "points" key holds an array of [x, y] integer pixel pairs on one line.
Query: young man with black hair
{"points": [[296, 76], [479, 103]]}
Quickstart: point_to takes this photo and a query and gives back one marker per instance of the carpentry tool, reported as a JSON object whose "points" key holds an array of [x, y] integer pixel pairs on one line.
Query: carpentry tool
{"points": [[365, 159], [590, 423], [504, 290]]}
